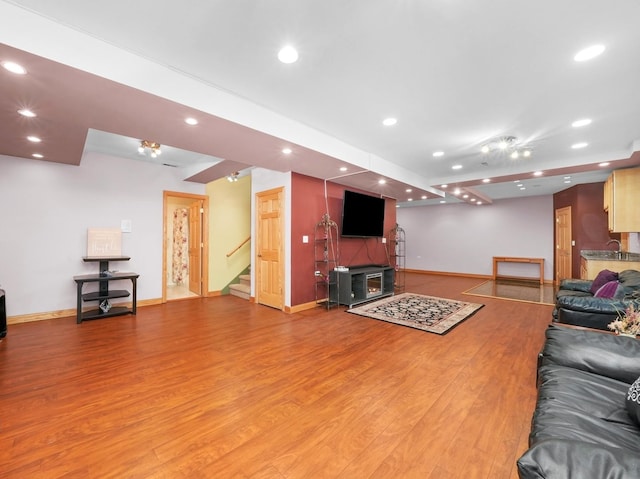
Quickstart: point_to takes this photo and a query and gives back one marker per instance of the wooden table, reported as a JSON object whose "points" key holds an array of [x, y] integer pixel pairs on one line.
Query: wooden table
{"points": [[511, 259]]}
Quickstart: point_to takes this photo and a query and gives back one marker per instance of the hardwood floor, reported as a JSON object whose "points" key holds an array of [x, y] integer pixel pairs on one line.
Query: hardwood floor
{"points": [[223, 388]]}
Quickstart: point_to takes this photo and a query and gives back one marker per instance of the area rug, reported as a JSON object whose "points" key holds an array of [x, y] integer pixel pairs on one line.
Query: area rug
{"points": [[428, 313], [515, 290]]}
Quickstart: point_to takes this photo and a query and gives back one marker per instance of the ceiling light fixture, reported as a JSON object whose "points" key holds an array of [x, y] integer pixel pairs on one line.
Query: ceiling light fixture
{"points": [[34, 139], [14, 67], [589, 53], [581, 123], [27, 113], [286, 151], [603, 164], [288, 54], [508, 145], [437, 154], [456, 167], [38, 155], [153, 146], [577, 146], [389, 121], [191, 121], [486, 180], [233, 177], [382, 181]]}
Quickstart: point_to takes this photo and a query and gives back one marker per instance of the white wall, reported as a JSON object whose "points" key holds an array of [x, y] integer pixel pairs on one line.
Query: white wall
{"points": [[46, 208], [462, 238]]}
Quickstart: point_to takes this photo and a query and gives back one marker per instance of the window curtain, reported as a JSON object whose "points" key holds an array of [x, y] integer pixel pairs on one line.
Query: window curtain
{"points": [[180, 266]]}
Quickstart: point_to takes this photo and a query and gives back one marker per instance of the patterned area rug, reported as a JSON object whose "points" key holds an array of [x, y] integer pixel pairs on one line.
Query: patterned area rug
{"points": [[428, 313]]}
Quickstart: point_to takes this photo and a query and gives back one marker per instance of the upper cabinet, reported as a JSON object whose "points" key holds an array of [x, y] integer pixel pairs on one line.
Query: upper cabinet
{"points": [[622, 200]]}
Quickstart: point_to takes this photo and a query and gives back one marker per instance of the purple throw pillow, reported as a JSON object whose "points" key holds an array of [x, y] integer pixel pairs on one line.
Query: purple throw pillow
{"points": [[608, 290], [603, 277]]}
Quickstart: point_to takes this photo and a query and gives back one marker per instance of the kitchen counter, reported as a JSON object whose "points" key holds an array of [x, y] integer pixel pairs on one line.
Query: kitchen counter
{"points": [[608, 255], [594, 261]]}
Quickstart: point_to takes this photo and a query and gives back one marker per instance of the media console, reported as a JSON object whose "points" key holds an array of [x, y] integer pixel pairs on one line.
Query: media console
{"points": [[360, 284]]}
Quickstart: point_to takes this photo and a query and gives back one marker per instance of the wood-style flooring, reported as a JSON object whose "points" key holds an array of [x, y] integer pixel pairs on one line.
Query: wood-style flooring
{"points": [[223, 388]]}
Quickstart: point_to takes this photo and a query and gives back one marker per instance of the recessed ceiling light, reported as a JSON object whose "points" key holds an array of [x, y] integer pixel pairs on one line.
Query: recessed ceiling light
{"points": [[583, 122], [389, 121], [34, 139], [288, 54], [479, 203], [343, 168], [537, 173], [14, 68], [526, 153], [519, 185], [522, 188], [409, 199], [577, 146], [589, 53], [456, 167], [604, 163], [191, 121], [423, 197], [38, 155], [486, 180], [465, 196], [438, 153], [443, 186], [567, 181], [472, 200], [567, 178], [27, 113], [514, 155], [485, 149], [286, 151], [408, 190], [456, 191], [442, 202], [382, 181]]}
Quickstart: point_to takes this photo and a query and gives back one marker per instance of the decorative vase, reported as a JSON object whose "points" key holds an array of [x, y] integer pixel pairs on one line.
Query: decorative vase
{"points": [[629, 335]]}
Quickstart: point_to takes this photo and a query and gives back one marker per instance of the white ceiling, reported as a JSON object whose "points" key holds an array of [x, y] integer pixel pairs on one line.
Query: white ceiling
{"points": [[454, 73]]}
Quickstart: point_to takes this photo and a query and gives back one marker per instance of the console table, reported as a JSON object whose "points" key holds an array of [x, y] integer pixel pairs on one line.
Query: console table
{"points": [[511, 259], [104, 294]]}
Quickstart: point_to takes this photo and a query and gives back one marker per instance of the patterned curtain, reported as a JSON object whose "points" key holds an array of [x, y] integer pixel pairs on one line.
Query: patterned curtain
{"points": [[180, 267]]}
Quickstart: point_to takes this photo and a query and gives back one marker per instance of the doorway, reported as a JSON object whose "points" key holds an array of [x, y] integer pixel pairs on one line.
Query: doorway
{"points": [[270, 248], [185, 246], [563, 244]]}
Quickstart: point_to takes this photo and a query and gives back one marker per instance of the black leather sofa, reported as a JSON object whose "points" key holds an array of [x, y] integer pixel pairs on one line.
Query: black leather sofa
{"points": [[581, 428], [576, 304]]}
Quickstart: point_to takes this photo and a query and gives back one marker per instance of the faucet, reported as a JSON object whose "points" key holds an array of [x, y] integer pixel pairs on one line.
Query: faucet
{"points": [[619, 250]]}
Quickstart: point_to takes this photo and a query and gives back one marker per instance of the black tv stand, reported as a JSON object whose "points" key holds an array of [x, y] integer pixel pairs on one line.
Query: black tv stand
{"points": [[360, 284]]}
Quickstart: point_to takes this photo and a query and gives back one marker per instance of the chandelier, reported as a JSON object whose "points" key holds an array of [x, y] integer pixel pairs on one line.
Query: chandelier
{"points": [[508, 145], [152, 146]]}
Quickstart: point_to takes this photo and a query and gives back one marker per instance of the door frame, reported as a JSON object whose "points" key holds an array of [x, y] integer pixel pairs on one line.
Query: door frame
{"points": [[563, 210], [166, 196], [258, 232]]}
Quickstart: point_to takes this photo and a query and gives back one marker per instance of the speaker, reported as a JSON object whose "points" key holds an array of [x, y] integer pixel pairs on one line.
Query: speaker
{"points": [[3, 315]]}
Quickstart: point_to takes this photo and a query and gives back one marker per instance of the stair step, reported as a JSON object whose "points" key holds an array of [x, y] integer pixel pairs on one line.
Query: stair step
{"points": [[240, 290], [245, 279]]}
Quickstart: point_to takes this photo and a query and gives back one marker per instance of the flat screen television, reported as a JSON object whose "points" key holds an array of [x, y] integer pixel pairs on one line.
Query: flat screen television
{"points": [[362, 215]]}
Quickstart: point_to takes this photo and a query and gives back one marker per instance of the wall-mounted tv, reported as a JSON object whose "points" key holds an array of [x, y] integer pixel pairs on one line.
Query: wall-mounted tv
{"points": [[362, 215]]}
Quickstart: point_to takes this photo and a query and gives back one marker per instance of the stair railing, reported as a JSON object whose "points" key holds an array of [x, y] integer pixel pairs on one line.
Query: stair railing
{"points": [[234, 250]]}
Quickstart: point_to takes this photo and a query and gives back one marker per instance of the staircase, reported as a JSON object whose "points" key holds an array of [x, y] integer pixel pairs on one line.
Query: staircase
{"points": [[243, 288]]}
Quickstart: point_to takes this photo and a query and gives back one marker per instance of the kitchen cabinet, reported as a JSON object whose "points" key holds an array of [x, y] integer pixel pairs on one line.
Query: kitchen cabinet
{"points": [[621, 199]]}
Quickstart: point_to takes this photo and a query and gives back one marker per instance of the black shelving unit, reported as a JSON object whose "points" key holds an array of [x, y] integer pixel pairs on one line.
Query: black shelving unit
{"points": [[326, 251], [103, 295]]}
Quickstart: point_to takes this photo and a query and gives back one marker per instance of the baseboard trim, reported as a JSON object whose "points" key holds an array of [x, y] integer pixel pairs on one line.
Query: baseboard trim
{"points": [[446, 273], [66, 313], [300, 307]]}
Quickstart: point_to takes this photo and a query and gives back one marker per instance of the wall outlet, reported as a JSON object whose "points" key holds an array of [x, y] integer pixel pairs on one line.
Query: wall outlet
{"points": [[384, 240], [305, 239]]}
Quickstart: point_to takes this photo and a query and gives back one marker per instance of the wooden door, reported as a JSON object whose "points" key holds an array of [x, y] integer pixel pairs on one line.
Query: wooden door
{"points": [[195, 247], [270, 248], [563, 244]]}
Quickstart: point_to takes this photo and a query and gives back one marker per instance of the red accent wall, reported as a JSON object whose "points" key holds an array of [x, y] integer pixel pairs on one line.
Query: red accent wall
{"points": [[589, 226], [307, 207]]}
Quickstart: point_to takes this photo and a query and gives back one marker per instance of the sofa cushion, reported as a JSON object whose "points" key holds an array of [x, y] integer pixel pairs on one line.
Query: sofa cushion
{"points": [[602, 278], [580, 406], [608, 290], [633, 401]]}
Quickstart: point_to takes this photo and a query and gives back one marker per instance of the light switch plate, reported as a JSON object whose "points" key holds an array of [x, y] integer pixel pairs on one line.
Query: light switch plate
{"points": [[125, 226], [305, 239]]}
